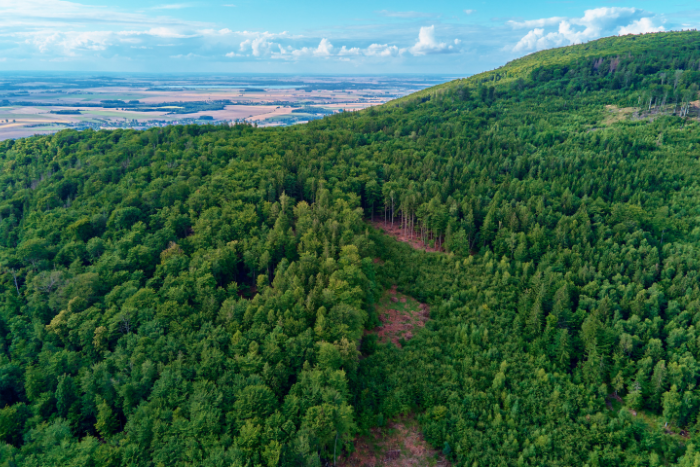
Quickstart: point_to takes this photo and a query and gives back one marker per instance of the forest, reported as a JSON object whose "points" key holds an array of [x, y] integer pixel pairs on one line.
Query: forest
{"points": [[204, 295]]}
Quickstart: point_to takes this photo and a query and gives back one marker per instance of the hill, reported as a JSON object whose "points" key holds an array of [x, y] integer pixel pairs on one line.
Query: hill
{"points": [[210, 295]]}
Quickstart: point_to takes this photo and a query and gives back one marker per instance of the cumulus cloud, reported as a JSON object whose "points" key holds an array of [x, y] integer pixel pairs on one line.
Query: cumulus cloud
{"points": [[382, 50], [470, 12], [261, 44], [592, 25], [324, 49], [640, 26], [258, 46], [74, 30], [529, 42], [47, 30], [427, 44], [282, 47], [344, 51], [70, 43]]}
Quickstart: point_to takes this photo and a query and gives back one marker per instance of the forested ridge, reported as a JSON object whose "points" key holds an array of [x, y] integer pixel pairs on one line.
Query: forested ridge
{"points": [[201, 295]]}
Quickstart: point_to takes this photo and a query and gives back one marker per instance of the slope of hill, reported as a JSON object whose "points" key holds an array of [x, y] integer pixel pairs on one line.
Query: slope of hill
{"points": [[199, 295], [623, 63]]}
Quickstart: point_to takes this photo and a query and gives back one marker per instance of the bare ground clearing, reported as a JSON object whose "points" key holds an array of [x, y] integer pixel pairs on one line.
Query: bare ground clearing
{"points": [[399, 234], [400, 316], [399, 444], [618, 114]]}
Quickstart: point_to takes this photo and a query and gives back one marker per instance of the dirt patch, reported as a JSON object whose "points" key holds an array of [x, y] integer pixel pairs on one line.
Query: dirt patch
{"points": [[400, 316], [402, 235], [399, 444], [618, 114]]}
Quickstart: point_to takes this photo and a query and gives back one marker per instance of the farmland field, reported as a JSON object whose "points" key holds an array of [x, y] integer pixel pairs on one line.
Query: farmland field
{"points": [[29, 104]]}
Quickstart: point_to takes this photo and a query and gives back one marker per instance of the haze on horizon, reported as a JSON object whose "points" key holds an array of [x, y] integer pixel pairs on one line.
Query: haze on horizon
{"points": [[273, 36]]}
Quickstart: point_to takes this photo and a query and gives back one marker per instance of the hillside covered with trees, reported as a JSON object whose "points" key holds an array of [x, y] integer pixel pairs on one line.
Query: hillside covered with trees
{"points": [[201, 295]]}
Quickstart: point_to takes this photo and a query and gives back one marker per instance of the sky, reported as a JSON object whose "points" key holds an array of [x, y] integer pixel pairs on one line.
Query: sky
{"points": [[312, 36]]}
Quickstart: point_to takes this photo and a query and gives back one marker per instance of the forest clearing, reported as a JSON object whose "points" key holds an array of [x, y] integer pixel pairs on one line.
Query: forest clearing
{"points": [[398, 444], [403, 235], [400, 316]]}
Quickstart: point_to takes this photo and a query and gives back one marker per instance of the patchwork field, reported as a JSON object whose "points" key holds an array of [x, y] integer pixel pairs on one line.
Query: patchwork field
{"points": [[29, 104]]}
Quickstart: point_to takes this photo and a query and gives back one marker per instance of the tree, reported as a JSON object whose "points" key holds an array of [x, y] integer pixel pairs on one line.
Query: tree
{"points": [[107, 423]]}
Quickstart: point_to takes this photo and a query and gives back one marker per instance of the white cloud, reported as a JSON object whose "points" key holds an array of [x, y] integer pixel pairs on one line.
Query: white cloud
{"points": [[325, 48], [214, 32], [70, 43], [592, 25], [529, 42], [167, 33], [344, 51], [266, 33], [261, 44], [73, 30], [46, 30], [536, 23], [470, 12], [162, 32], [189, 56], [258, 46], [640, 26], [379, 50], [427, 44]]}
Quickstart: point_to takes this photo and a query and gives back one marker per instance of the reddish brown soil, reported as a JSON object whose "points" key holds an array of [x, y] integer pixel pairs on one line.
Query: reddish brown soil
{"points": [[400, 235], [400, 323], [399, 444]]}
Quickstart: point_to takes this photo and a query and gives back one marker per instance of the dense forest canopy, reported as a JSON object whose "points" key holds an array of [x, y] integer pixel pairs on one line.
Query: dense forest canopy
{"points": [[198, 295]]}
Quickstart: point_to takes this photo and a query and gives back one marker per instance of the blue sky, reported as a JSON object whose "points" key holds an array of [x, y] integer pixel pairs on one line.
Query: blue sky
{"points": [[313, 36]]}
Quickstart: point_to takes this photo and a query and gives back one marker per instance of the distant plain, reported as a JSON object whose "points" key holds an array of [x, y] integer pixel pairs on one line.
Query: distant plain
{"points": [[39, 104]]}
